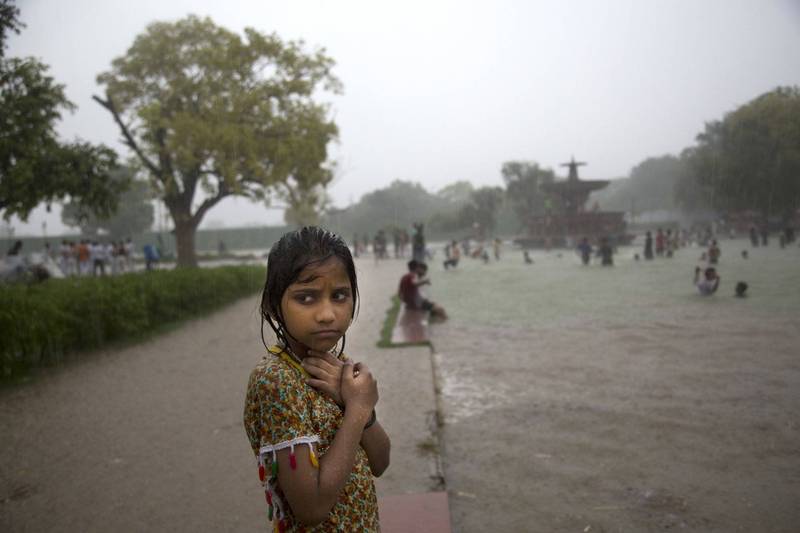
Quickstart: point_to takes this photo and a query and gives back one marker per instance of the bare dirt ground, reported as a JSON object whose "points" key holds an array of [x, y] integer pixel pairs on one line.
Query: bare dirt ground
{"points": [[150, 437]]}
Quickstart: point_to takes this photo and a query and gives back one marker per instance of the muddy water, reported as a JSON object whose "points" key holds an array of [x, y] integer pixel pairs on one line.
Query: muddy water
{"points": [[593, 399]]}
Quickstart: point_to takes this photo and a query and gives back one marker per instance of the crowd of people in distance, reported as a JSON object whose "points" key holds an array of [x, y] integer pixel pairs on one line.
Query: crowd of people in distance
{"points": [[380, 244], [84, 258], [605, 251], [661, 243], [94, 258], [454, 250]]}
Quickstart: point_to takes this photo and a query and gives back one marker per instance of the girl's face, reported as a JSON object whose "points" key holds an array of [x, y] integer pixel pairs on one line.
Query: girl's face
{"points": [[318, 307]]}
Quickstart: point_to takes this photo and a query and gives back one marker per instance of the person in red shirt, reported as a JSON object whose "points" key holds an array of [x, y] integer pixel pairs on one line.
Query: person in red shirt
{"points": [[409, 293]]}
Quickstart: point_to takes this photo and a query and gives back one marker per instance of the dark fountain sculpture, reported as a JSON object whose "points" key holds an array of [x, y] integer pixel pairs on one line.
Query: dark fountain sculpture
{"points": [[566, 223]]}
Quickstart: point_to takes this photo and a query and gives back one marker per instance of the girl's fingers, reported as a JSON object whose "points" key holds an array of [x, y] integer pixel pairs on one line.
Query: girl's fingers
{"points": [[317, 365], [328, 357], [347, 373], [317, 372], [320, 384], [327, 363]]}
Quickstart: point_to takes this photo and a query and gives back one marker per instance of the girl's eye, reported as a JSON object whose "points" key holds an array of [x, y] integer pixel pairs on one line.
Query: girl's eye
{"points": [[304, 298], [340, 296]]}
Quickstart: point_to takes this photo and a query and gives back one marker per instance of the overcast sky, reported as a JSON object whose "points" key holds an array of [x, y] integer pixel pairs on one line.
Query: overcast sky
{"points": [[439, 91]]}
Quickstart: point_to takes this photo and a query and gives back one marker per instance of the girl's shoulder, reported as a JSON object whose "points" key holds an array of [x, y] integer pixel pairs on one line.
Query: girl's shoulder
{"points": [[273, 374]]}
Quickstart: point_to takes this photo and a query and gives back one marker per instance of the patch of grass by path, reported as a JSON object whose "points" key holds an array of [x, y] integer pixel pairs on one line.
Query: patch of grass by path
{"points": [[385, 340]]}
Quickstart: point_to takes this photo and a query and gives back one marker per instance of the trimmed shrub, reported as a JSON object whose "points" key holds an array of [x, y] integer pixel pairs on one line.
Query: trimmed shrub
{"points": [[41, 323]]}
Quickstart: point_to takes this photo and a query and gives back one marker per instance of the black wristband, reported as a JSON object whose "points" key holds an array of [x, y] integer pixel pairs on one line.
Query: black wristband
{"points": [[372, 419]]}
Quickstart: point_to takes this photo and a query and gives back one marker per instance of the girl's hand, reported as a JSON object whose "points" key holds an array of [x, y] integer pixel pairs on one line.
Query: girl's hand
{"points": [[359, 387], [326, 374]]}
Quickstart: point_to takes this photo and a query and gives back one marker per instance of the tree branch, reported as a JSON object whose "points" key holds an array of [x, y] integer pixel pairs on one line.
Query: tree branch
{"points": [[129, 140], [222, 191]]}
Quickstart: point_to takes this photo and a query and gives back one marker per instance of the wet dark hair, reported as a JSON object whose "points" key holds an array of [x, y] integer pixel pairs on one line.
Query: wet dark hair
{"points": [[741, 289], [287, 258]]}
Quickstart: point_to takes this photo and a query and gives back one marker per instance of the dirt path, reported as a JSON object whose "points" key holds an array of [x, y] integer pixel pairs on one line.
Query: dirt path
{"points": [[150, 437]]}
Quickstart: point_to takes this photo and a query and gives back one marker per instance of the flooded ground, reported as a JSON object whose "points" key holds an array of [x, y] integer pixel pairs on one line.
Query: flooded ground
{"points": [[618, 399], [577, 399]]}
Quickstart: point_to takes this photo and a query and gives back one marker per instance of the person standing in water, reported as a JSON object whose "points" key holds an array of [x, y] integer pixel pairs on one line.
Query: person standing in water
{"points": [[648, 246], [418, 243], [606, 252], [714, 253], [710, 282], [659, 242], [453, 255], [585, 249], [753, 237], [309, 412]]}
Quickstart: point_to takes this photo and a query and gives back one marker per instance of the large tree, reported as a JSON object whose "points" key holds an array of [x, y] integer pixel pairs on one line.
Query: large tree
{"points": [[651, 186], [134, 216], [457, 193], [203, 108], [524, 182], [35, 166], [306, 206], [751, 158], [481, 211]]}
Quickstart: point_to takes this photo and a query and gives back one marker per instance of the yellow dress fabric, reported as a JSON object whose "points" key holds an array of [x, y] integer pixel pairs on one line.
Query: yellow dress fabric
{"points": [[280, 406]]}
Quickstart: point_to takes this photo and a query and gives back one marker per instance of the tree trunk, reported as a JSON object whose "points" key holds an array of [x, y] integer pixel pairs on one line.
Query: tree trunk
{"points": [[184, 242]]}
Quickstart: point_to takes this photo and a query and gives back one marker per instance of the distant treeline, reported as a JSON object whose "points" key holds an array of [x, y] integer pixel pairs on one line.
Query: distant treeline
{"points": [[746, 163], [447, 214]]}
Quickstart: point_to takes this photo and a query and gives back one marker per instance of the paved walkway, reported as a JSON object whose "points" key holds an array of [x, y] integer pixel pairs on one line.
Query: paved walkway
{"points": [[150, 437]]}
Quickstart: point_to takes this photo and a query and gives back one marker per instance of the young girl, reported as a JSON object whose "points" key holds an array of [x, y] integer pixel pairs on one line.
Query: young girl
{"points": [[309, 413]]}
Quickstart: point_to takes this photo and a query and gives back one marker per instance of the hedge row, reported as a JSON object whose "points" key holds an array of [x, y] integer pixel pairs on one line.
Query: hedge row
{"points": [[41, 323]]}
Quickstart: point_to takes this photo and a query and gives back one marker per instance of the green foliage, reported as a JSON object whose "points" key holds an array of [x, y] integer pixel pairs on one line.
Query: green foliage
{"points": [[43, 322], [401, 204], [306, 208], [134, 215], [650, 187], [9, 22], [751, 159], [450, 213], [690, 194], [524, 182], [457, 193], [203, 108], [482, 209], [35, 166], [385, 340]]}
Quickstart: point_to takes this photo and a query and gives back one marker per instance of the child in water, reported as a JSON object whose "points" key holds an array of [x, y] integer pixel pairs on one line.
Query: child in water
{"points": [[409, 293], [710, 282], [309, 412]]}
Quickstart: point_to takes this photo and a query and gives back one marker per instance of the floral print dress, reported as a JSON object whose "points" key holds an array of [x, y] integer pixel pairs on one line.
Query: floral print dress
{"points": [[282, 411]]}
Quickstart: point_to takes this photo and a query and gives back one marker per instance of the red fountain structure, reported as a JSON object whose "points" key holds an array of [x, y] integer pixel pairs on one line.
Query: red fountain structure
{"points": [[573, 222]]}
